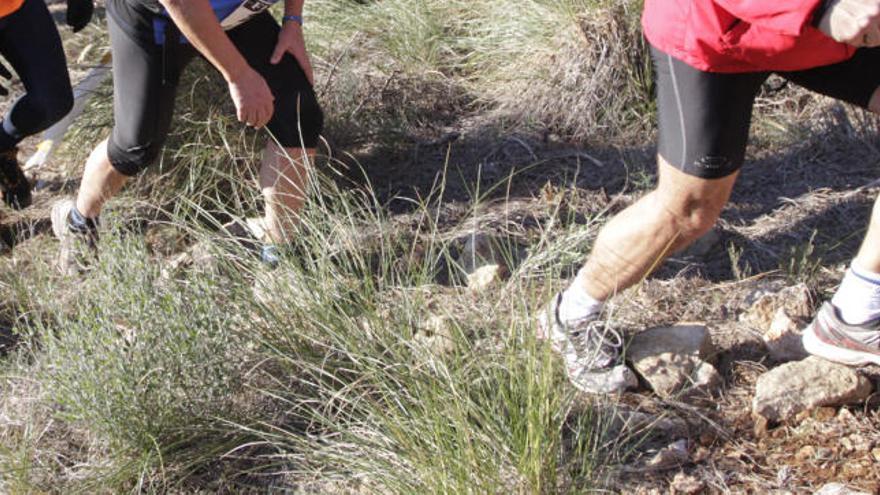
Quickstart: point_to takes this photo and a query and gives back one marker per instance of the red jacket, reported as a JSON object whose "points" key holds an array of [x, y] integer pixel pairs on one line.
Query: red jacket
{"points": [[741, 35]]}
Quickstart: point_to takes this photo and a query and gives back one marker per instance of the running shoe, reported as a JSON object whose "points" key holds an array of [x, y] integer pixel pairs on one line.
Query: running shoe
{"points": [[829, 337], [79, 247], [590, 350], [14, 185]]}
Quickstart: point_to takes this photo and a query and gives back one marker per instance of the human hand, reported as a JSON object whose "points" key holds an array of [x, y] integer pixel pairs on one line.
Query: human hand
{"points": [[854, 22], [79, 13], [5, 74], [254, 103], [290, 40]]}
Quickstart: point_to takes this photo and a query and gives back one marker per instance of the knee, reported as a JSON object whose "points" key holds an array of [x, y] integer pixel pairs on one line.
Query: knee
{"points": [[131, 160], [299, 120], [55, 105], [691, 216]]}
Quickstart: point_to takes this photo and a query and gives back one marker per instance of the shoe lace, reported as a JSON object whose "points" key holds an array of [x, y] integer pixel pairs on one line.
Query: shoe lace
{"points": [[591, 337]]}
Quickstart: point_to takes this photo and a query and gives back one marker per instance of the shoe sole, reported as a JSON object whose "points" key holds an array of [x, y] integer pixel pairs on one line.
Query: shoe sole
{"points": [[815, 346]]}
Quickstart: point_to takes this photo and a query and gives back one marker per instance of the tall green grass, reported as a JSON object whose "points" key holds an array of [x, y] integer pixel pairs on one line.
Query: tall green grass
{"points": [[331, 367]]}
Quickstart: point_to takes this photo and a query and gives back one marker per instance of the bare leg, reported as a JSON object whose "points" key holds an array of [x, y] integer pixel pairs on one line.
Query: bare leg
{"points": [[284, 175], [634, 242], [868, 257], [100, 182]]}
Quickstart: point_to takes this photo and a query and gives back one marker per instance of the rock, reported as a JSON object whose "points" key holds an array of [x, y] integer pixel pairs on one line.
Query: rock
{"points": [[625, 420], [783, 339], [673, 455], [785, 391], [616, 380], [838, 489], [687, 484], [672, 359], [486, 276], [690, 339], [706, 377], [435, 333], [798, 301]]}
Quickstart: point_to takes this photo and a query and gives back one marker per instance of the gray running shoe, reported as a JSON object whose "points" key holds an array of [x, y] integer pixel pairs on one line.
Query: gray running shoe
{"points": [[78, 247], [590, 350], [829, 337]]}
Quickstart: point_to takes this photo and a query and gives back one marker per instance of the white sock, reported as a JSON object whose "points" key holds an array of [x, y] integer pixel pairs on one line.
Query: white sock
{"points": [[577, 304], [858, 297]]}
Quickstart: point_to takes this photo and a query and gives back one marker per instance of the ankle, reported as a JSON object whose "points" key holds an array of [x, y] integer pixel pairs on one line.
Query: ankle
{"points": [[578, 304], [79, 223], [858, 297]]}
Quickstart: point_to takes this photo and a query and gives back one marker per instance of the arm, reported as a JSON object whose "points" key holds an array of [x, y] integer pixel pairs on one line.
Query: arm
{"points": [[197, 21], [294, 7], [291, 40], [783, 16]]}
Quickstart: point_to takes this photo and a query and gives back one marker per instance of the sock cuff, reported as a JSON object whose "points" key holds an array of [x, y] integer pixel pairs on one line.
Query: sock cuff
{"points": [[865, 275], [80, 223]]}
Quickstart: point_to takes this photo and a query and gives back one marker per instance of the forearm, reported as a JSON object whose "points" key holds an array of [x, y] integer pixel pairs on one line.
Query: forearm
{"points": [[197, 21], [293, 7]]}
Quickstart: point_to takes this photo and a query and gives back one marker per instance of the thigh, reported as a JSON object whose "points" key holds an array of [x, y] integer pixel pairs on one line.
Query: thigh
{"points": [[256, 41], [853, 81], [703, 117], [30, 42], [298, 119], [145, 79]]}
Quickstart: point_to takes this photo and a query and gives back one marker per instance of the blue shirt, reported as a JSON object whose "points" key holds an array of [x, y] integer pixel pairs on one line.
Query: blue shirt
{"points": [[222, 8]]}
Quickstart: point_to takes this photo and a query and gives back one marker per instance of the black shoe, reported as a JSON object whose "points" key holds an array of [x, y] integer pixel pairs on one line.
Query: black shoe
{"points": [[14, 185]]}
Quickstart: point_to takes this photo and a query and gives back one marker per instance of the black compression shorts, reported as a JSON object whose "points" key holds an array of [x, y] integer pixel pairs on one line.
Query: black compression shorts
{"points": [[704, 117], [146, 76], [30, 43]]}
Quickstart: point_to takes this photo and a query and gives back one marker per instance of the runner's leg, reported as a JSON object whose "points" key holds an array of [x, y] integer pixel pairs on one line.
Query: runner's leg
{"points": [[144, 87], [680, 210], [31, 44], [294, 129], [704, 123], [855, 81]]}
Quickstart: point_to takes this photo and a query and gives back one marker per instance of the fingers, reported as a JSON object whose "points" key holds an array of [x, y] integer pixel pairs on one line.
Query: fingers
{"points": [[871, 36], [277, 53], [257, 116], [262, 117]]}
